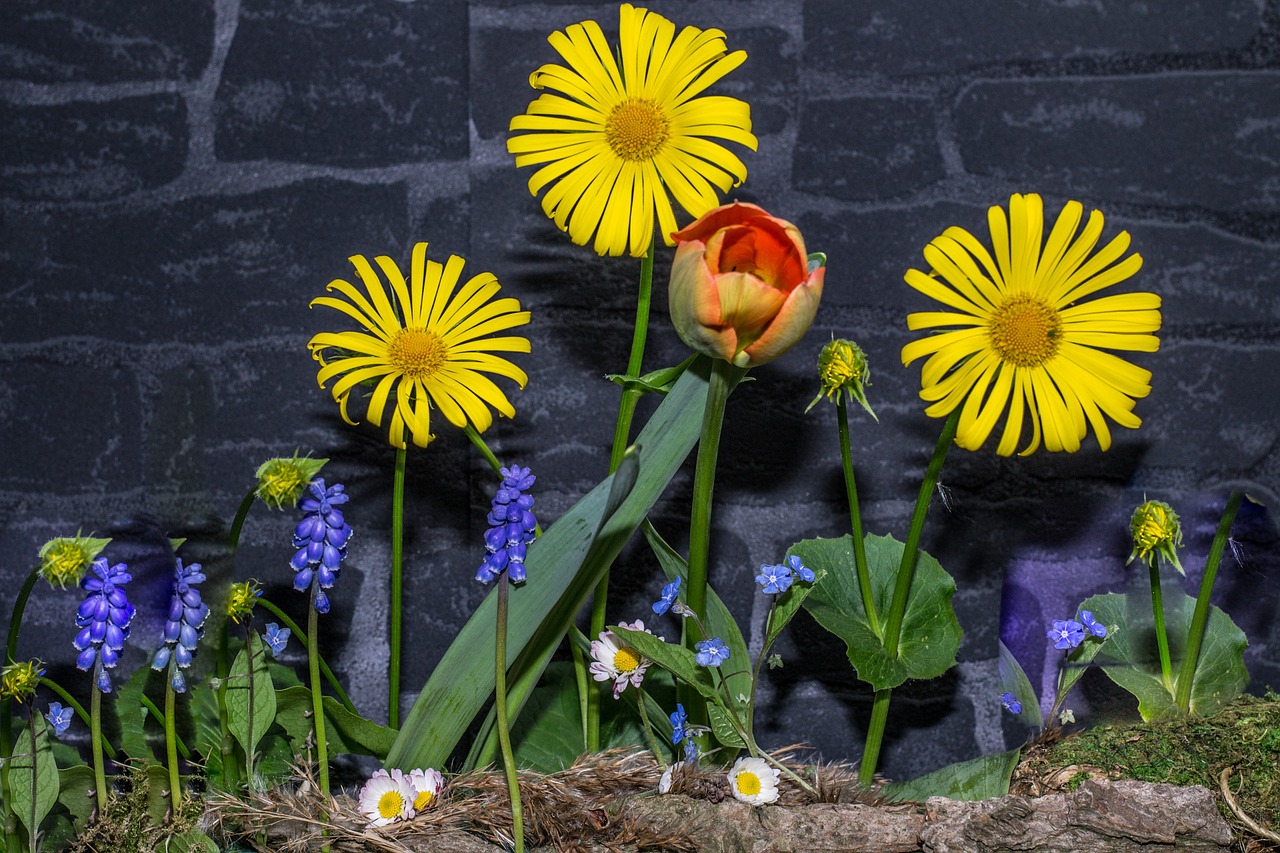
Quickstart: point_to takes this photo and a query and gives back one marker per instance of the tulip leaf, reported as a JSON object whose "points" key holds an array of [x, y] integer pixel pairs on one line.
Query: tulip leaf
{"points": [[31, 805], [564, 565], [1130, 659], [930, 630], [251, 697]]}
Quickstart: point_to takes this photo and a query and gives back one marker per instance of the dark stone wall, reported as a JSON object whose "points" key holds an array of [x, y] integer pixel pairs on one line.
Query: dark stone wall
{"points": [[179, 180]]}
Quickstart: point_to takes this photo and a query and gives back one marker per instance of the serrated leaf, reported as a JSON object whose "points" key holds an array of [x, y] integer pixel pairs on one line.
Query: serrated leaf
{"points": [[345, 732], [1130, 659], [30, 805], [975, 779], [930, 630], [249, 722], [564, 565], [1013, 679]]}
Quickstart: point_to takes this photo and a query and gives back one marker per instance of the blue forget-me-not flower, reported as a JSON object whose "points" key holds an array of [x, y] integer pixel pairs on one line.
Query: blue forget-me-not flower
{"points": [[276, 638], [669, 594], [59, 718], [1066, 633], [711, 652]]}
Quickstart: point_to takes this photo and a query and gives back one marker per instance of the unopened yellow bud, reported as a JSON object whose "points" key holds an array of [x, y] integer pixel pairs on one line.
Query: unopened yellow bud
{"points": [[64, 561], [282, 480], [1156, 533], [842, 369], [241, 600], [18, 681]]}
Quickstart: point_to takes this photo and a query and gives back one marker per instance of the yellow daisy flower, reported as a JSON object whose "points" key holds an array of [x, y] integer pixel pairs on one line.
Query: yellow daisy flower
{"points": [[622, 136], [430, 347], [1025, 343]]}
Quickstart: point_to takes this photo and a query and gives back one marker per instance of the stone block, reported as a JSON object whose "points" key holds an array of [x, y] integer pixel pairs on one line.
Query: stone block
{"points": [[93, 151], [362, 84]]}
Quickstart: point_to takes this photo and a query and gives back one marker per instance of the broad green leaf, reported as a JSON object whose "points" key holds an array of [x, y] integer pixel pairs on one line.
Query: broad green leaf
{"points": [[722, 726], [720, 622], [207, 737], [930, 631], [1013, 679], [158, 804], [194, 841], [975, 779], [789, 602], [1129, 657], [139, 733], [548, 737], [32, 804], [564, 566], [344, 732], [75, 794], [249, 720]]}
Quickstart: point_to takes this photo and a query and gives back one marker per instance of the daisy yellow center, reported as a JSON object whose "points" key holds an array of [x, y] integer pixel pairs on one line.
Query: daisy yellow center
{"points": [[748, 783], [417, 353], [636, 129], [423, 800], [1025, 330], [626, 660], [390, 805]]}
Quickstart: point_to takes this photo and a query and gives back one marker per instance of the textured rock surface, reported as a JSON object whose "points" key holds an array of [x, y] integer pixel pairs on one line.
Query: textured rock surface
{"points": [[178, 181]]}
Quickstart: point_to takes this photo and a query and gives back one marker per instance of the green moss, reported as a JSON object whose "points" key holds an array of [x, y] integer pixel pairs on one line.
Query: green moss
{"points": [[1244, 738], [137, 818]]}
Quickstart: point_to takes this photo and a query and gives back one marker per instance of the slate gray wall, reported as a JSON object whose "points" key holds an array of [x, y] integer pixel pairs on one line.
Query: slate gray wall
{"points": [[179, 179]]}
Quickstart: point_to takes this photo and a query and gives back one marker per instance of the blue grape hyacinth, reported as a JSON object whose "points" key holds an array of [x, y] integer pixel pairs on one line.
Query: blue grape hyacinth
{"points": [[512, 527], [183, 624], [103, 619], [321, 539]]}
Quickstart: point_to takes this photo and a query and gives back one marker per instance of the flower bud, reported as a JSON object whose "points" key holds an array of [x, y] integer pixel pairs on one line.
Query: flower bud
{"points": [[281, 481], [742, 287], [18, 681], [64, 561], [842, 368], [1156, 533]]}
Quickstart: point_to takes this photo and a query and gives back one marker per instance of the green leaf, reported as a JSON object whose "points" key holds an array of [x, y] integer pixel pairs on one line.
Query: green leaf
{"points": [[659, 381], [75, 793], [46, 776], [564, 566], [194, 841], [930, 630], [788, 604], [207, 738], [675, 659], [723, 727], [1013, 679], [720, 622], [975, 779], [239, 711], [1129, 657], [136, 735], [345, 732]]}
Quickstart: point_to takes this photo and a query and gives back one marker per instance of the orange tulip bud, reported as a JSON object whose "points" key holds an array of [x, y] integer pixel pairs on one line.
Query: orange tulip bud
{"points": [[742, 288]]}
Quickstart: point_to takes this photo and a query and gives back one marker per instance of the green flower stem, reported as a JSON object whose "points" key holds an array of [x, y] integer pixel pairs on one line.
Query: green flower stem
{"points": [[704, 479], [1200, 617], [324, 667], [1162, 636], [855, 517], [161, 717], [791, 775], [580, 670], [250, 655], [898, 606], [621, 439], [12, 843], [397, 589], [648, 729], [78, 708], [171, 743], [317, 697], [6, 705], [237, 524], [500, 711], [95, 739], [478, 441], [229, 767]]}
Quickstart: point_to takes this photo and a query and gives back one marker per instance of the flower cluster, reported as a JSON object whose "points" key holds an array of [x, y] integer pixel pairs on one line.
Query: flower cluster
{"points": [[321, 539], [391, 796], [103, 619], [775, 580], [1069, 633], [19, 680], [621, 664], [183, 624], [511, 527]]}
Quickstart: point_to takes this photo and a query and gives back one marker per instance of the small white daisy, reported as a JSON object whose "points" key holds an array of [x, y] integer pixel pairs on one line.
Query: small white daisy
{"points": [[664, 784], [426, 786], [387, 798], [753, 781], [618, 663]]}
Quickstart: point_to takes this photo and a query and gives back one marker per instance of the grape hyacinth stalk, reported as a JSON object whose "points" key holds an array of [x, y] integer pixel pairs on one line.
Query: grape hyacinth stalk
{"points": [[103, 619], [183, 627], [321, 539], [512, 527]]}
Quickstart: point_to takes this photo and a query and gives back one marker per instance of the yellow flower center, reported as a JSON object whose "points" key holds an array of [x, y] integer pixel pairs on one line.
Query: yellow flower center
{"points": [[1025, 330], [390, 805], [423, 800], [748, 783], [626, 660], [636, 129], [417, 353]]}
